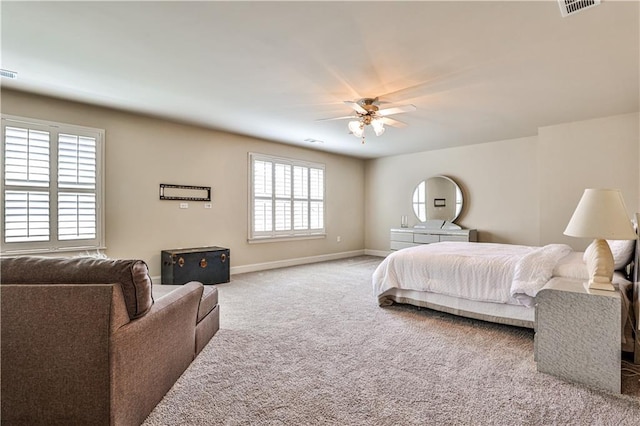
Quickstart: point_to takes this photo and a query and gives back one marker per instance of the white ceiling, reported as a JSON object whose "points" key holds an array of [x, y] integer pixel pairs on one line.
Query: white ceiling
{"points": [[476, 71]]}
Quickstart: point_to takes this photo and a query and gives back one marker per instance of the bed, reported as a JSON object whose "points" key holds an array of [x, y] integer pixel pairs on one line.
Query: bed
{"points": [[492, 282]]}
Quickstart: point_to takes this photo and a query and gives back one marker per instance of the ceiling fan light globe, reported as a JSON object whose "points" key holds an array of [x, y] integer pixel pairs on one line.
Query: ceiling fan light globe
{"points": [[378, 126], [357, 128]]}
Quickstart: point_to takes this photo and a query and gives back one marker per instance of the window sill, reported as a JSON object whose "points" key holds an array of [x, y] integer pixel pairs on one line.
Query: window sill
{"points": [[63, 251]]}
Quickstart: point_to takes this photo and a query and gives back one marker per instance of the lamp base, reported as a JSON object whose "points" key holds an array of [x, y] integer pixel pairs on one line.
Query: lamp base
{"points": [[600, 286], [600, 265]]}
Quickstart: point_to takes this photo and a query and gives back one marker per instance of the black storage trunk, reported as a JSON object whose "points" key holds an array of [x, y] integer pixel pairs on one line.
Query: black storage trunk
{"points": [[209, 265]]}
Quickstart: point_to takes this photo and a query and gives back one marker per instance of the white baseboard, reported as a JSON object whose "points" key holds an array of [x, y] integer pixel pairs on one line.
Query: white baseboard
{"points": [[294, 262], [297, 261], [379, 253]]}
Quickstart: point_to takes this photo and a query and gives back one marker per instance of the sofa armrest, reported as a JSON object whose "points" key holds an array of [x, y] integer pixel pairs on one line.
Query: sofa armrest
{"points": [[149, 354]]}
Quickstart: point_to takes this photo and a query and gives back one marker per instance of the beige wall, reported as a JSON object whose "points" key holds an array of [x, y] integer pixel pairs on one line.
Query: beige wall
{"points": [[603, 153], [520, 191], [500, 197], [142, 152]]}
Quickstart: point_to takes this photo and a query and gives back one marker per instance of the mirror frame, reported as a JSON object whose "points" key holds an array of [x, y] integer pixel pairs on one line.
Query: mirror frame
{"points": [[421, 201]]}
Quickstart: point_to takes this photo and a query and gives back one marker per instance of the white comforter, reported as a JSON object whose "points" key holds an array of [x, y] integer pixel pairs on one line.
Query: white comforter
{"points": [[501, 273]]}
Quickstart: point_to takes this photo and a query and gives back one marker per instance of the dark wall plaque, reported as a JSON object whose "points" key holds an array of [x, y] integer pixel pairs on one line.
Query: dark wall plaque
{"points": [[185, 192]]}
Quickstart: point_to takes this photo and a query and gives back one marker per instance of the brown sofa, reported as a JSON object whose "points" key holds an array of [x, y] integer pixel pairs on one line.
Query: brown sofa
{"points": [[83, 342]]}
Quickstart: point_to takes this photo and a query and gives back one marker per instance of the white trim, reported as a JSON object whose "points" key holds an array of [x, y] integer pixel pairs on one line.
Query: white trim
{"points": [[62, 251], [291, 234], [283, 263], [26, 121], [379, 253], [294, 262], [54, 244]]}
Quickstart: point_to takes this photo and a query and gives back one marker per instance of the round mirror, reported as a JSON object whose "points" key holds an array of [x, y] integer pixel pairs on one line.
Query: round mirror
{"points": [[438, 197]]}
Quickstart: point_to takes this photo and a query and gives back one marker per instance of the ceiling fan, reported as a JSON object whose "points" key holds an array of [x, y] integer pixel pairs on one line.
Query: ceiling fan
{"points": [[368, 112]]}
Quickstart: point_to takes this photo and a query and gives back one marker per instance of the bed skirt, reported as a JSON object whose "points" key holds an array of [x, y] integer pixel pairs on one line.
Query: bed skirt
{"points": [[516, 315]]}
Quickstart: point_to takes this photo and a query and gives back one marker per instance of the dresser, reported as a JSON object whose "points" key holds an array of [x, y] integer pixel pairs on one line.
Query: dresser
{"points": [[410, 237]]}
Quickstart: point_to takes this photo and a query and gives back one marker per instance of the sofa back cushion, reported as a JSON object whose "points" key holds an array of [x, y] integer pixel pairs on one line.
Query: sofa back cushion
{"points": [[132, 275]]}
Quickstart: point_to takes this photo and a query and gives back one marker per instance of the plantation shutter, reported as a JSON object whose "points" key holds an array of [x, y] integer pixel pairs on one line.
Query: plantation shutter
{"points": [[52, 188], [316, 198], [26, 169], [287, 197], [282, 182], [262, 191], [76, 187]]}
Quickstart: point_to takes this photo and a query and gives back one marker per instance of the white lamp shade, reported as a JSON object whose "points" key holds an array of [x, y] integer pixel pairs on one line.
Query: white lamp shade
{"points": [[601, 214]]}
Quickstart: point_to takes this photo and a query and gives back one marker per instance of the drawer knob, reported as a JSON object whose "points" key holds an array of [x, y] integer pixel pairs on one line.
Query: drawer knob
{"points": [[223, 257], [181, 262], [203, 263]]}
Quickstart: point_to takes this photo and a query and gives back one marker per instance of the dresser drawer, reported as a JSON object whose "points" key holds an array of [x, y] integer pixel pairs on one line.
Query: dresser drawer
{"points": [[410, 237], [425, 238], [402, 236], [398, 245], [454, 238]]}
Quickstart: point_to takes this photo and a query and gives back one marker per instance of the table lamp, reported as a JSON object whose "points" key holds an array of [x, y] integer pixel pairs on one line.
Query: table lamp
{"points": [[602, 215]]}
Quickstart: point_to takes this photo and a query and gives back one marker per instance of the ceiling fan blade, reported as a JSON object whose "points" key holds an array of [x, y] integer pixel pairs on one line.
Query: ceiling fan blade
{"points": [[356, 106], [396, 110], [338, 118], [393, 122], [434, 84]]}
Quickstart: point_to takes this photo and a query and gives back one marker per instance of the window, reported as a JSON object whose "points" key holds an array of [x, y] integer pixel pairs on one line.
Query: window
{"points": [[52, 186], [287, 198]]}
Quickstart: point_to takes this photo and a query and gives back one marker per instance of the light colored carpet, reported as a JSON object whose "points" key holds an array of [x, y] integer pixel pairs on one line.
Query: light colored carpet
{"points": [[308, 345]]}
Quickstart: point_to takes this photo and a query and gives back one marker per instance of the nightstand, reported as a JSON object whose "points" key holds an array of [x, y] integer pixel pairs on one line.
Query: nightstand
{"points": [[578, 333]]}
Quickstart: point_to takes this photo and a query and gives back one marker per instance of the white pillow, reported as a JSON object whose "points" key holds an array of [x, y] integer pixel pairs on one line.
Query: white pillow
{"points": [[622, 252], [571, 266]]}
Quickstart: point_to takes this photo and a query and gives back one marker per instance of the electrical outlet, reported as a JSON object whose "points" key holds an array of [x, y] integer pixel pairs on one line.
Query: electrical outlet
{"points": [[339, 238], [184, 205], [207, 205]]}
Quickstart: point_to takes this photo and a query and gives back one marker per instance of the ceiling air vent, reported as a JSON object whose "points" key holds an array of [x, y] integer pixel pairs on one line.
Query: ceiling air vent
{"points": [[571, 7], [8, 74]]}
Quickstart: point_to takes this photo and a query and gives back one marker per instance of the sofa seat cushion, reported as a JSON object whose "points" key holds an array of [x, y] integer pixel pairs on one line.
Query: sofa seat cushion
{"points": [[132, 275], [208, 301]]}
